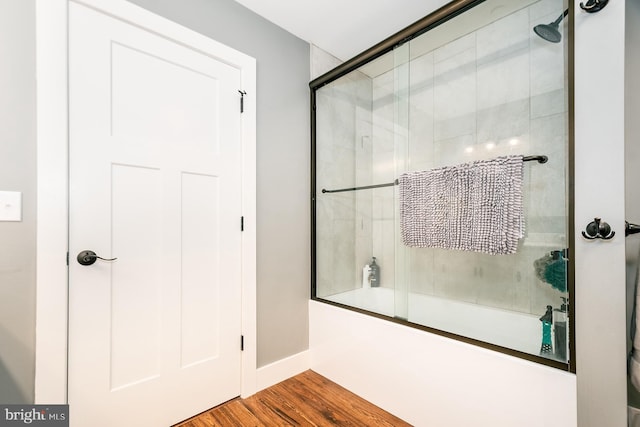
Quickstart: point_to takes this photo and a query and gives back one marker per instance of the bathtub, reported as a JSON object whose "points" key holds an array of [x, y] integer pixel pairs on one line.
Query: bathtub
{"points": [[518, 331], [430, 380]]}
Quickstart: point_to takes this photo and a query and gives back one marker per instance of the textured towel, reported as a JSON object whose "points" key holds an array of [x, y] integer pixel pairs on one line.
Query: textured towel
{"points": [[552, 269], [474, 206]]}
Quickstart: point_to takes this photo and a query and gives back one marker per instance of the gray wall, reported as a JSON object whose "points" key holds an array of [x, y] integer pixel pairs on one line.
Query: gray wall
{"points": [[632, 124], [17, 173], [283, 162], [283, 178], [632, 157]]}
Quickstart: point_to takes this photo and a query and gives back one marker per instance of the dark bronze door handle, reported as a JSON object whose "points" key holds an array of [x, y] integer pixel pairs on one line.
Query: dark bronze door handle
{"points": [[90, 257]]}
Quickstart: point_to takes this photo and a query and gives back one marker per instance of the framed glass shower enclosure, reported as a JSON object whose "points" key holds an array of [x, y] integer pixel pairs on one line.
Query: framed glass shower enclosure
{"points": [[472, 84]]}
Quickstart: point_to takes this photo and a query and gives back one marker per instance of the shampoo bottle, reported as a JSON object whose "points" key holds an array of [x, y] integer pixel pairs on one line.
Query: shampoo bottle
{"points": [[547, 320], [560, 320], [375, 273], [366, 276]]}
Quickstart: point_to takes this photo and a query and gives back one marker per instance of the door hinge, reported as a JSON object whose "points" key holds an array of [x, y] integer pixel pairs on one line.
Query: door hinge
{"points": [[241, 342], [242, 94], [241, 223], [67, 258]]}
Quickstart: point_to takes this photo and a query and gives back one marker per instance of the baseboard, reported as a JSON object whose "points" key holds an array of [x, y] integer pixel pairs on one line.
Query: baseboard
{"points": [[280, 370]]}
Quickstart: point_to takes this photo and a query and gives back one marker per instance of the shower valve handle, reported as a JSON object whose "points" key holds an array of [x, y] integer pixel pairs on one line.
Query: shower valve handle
{"points": [[598, 229]]}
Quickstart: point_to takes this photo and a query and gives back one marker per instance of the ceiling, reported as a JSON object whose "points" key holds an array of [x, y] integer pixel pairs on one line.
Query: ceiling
{"points": [[344, 28]]}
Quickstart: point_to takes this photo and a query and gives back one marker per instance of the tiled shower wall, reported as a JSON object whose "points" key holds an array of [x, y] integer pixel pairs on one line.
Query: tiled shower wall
{"points": [[344, 139], [496, 91]]}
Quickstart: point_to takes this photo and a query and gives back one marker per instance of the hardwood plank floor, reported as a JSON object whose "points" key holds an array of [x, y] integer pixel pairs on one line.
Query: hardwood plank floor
{"points": [[308, 399]]}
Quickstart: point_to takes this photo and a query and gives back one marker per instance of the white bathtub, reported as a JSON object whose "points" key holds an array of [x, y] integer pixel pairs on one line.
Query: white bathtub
{"points": [[430, 380], [518, 331]]}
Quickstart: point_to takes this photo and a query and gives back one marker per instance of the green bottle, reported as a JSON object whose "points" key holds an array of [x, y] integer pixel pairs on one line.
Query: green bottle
{"points": [[547, 320]]}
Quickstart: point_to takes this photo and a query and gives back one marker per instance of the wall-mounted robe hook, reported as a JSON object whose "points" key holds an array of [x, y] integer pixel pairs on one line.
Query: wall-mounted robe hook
{"points": [[594, 6], [598, 230]]}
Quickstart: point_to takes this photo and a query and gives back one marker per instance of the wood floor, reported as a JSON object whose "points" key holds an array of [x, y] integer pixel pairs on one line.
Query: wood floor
{"points": [[308, 399]]}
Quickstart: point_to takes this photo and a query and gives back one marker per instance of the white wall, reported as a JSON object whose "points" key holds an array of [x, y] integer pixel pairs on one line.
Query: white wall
{"points": [[600, 346], [321, 62]]}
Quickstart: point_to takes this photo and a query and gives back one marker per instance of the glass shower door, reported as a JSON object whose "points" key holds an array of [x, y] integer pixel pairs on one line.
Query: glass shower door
{"points": [[479, 90], [401, 142], [475, 88]]}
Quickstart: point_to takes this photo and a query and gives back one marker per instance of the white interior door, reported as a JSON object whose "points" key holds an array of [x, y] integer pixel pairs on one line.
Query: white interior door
{"points": [[155, 181]]}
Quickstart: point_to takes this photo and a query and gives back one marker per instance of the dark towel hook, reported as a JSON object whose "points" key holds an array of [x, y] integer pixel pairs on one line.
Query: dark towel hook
{"points": [[598, 229], [594, 6]]}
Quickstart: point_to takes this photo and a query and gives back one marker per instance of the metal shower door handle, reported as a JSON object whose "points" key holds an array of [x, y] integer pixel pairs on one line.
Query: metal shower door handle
{"points": [[90, 257]]}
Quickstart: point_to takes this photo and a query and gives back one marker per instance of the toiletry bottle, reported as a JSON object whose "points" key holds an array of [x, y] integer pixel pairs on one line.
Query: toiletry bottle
{"points": [[560, 320], [375, 273], [547, 319], [366, 276]]}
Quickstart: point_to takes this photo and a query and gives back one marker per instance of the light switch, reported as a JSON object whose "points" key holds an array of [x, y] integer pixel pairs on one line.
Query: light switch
{"points": [[10, 206]]}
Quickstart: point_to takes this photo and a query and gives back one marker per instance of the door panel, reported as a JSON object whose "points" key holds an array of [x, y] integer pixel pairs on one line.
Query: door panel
{"points": [[135, 352], [200, 236], [155, 181], [139, 100]]}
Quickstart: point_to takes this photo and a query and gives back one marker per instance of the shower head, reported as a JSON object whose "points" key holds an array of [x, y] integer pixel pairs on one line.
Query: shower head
{"points": [[550, 32]]}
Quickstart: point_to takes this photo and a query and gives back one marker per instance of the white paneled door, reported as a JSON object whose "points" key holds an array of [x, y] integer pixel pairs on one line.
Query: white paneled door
{"points": [[155, 181]]}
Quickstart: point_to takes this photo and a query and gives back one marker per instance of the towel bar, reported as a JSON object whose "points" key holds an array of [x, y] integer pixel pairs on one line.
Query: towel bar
{"points": [[539, 159]]}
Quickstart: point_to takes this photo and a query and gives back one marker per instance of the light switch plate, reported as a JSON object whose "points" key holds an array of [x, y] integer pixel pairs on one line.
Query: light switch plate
{"points": [[10, 206]]}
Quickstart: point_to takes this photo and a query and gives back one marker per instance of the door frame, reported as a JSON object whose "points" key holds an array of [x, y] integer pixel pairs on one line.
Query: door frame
{"points": [[53, 184]]}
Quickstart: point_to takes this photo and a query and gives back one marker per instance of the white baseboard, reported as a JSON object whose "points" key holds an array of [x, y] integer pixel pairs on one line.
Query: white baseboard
{"points": [[281, 370]]}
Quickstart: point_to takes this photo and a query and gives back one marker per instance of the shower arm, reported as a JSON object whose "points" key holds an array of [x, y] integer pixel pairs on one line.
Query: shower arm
{"points": [[562, 15]]}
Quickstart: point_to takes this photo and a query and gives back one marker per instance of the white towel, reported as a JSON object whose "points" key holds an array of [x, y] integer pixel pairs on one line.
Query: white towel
{"points": [[474, 206]]}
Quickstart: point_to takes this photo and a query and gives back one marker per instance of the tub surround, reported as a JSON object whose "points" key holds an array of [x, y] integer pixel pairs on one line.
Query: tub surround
{"points": [[427, 379], [518, 331]]}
